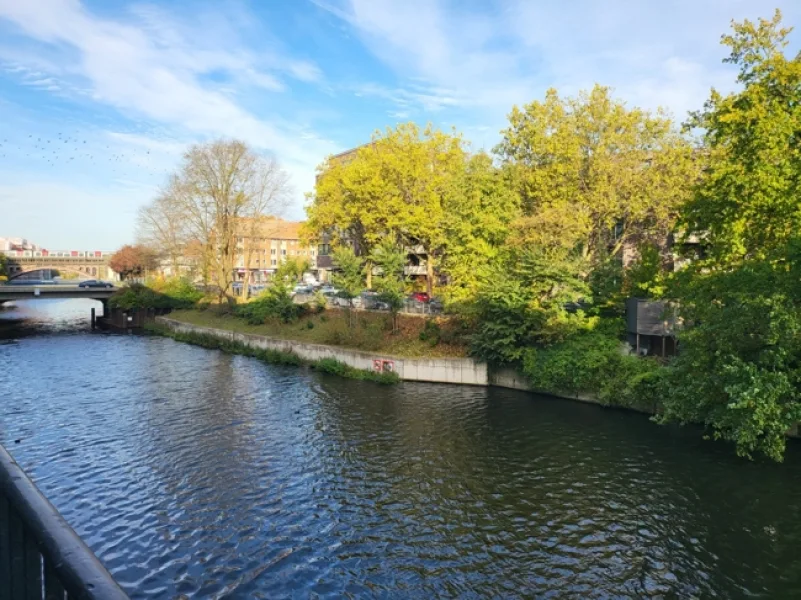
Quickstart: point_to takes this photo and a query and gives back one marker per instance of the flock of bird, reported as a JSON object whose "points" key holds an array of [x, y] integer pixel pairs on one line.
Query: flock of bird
{"points": [[64, 149]]}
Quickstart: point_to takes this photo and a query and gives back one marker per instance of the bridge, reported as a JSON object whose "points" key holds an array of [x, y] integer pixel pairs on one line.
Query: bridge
{"points": [[85, 267], [32, 292]]}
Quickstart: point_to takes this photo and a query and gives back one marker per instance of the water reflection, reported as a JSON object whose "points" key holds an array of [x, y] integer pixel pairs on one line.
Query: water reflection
{"points": [[192, 472]]}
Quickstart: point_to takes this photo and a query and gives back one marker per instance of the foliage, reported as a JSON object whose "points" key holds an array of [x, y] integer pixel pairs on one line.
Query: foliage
{"points": [[739, 368], [221, 191], [747, 204], [391, 283], [3, 267], [335, 367], [291, 270], [595, 174], [180, 289], [165, 294], [275, 302], [595, 363], [526, 302], [395, 187], [349, 277], [132, 261], [479, 211], [645, 278], [431, 333], [275, 357]]}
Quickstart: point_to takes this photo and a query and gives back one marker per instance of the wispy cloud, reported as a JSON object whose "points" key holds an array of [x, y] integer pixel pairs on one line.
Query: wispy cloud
{"points": [[154, 67], [487, 57]]}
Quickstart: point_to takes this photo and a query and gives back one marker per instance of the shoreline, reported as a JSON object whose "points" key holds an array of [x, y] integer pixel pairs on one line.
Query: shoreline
{"points": [[456, 371]]}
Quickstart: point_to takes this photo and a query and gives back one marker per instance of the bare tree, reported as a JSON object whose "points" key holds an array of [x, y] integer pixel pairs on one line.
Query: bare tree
{"points": [[161, 225], [222, 190]]}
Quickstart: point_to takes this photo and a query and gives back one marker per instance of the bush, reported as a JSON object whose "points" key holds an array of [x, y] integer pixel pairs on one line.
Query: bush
{"points": [[335, 367], [273, 303], [431, 333], [595, 363], [205, 340], [165, 293]]}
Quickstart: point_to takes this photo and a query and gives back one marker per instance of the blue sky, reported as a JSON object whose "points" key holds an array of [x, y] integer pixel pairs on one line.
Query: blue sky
{"points": [[98, 99]]}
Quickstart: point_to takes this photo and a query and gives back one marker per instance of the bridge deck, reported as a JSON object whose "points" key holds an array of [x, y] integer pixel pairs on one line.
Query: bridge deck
{"points": [[30, 292]]}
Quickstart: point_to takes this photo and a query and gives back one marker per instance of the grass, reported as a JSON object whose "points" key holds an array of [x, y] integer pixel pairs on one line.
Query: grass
{"points": [[371, 332], [273, 357]]}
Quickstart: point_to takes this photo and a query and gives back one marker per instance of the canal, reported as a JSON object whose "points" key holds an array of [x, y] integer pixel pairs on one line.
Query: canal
{"points": [[192, 473]]}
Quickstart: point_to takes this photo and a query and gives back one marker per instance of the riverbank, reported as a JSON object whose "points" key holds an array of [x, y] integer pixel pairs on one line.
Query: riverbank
{"points": [[330, 328], [459, 371]]}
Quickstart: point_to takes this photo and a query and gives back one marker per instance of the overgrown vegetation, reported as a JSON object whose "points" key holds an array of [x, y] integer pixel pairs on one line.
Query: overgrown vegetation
{"points": [[335, 367], [171, 293], [270, 356]]}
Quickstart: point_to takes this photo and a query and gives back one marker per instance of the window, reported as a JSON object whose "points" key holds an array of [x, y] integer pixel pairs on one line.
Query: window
{"points": [[272, 251], [273, 262], [283, 251]]}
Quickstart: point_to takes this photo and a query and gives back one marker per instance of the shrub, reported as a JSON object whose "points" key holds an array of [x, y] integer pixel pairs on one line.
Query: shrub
{"points": [[335, 367], [595, 363], [431, 333], [273, 303]]}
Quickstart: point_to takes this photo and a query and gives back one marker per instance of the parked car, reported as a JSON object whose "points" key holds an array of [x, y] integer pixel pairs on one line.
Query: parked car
{"points": [[371, 301], [329, 290], [95, 283], [420, 297]]}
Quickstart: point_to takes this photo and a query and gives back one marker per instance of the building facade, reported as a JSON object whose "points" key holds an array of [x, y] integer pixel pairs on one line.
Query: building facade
{"points": [[263, 245]]}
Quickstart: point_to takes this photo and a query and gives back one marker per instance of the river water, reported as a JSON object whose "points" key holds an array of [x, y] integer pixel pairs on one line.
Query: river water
{"points": [[192, 473]]}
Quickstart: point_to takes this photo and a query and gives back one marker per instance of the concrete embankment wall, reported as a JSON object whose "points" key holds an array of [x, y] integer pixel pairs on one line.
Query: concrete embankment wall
{"points": [[436, 370], [464, 371]]}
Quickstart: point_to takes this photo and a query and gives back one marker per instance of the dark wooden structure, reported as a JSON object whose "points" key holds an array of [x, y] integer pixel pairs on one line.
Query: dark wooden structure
{"points": [[651, 326]]}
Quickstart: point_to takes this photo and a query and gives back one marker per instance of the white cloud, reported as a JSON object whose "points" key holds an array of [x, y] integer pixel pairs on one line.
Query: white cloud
{"points": [[152, 68], [653, 54]]}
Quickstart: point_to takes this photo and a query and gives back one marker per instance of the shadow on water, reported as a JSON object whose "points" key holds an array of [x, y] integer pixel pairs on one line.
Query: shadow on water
{"points": [[195, 473]]}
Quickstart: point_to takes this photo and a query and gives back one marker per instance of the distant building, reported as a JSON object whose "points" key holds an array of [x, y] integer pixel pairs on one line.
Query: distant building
{"points": [[8, 244], [262, 246]]}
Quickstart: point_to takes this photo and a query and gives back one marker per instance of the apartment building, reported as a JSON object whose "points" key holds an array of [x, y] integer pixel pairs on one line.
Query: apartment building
{"points": [[263, 245]]}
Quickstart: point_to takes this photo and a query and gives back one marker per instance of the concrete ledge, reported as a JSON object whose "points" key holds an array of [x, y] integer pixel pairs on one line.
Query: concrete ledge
{"points": [[464, 371], [460, 371]]}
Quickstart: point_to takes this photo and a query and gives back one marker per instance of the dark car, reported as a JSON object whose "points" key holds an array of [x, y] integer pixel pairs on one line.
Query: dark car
{"points": [[94, 283]]}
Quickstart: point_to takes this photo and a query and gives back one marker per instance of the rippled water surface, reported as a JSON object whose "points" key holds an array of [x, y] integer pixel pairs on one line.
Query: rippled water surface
{"points": [[193, 473]]}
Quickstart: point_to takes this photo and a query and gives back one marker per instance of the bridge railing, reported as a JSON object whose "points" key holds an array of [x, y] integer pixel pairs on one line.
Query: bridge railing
{"points": [[40, 555]]}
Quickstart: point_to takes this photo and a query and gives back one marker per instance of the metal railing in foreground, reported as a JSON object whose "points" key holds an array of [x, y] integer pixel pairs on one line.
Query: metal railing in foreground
{"points": [[40, 555]]}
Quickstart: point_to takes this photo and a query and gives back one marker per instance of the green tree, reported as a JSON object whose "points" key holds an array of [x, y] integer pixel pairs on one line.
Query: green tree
{"points": [[397, 186], [479, 212], [740, 366], [594, 174], [391, 282], [3, 266], [349, 277]]}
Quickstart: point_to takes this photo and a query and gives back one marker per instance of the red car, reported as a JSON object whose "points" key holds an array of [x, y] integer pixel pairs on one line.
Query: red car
{"points": [[421, 297]]}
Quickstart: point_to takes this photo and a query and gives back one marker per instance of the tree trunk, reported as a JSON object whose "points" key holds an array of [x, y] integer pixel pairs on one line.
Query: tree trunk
{"points": [[369, 279], [429, 275]]}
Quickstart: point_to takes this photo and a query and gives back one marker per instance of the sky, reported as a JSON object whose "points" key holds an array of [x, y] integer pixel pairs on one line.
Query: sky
{"points": [[99, 99]]}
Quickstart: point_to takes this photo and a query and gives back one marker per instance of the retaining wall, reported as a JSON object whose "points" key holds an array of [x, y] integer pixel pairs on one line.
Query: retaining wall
{"points": [[464, 371]]}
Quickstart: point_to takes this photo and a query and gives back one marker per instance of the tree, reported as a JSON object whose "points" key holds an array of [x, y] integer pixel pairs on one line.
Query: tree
{"points": [[391, 281], [3, 266], [739, 369], [479, 212], [161, 225], [221, 191], [396, 187], [350, 276], [292, 269], [595, 175], [132, 261]]}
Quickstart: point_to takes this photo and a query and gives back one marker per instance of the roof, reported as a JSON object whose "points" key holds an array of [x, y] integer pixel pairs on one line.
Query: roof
{"points": [[278, 229]]}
